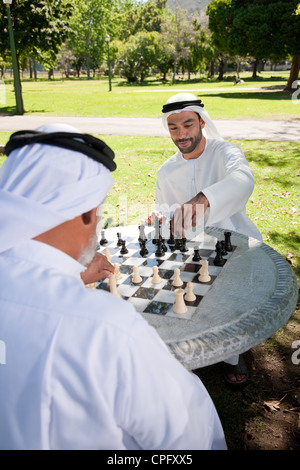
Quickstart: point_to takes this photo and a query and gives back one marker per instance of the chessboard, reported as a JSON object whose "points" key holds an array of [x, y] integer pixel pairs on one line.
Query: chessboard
{"points": [[139, 259]]}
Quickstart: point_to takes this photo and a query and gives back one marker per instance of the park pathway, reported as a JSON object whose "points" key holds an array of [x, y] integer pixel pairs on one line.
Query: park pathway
{"points": [[287, 130]]}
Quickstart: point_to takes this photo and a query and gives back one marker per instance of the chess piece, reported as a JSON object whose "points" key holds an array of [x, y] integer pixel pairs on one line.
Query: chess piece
{"points": [[171, 240], [103, 240], [223, 250], [123, 250], [143, 250], [204, 274], [177, 281], [107, 254], [183, 247], [177, 242], [119, 242], [159, 251], [157, 231], [136, 278], [117, 271], [190, 296], [196, 256], [142, 235], [219, 261], [228, 246], [156, 279], [113, 285], [179, 306], [91, 286]]}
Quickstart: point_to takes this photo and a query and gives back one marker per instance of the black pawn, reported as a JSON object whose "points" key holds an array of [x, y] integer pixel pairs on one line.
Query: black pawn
{"points": [[228, 246], [123, 250], [103, 240], [219, 261], [196, 256]]}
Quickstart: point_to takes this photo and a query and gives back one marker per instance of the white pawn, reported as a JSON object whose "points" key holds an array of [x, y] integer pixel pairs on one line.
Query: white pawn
{"points": [[190, 296], [117, 271], [179, 306], [136, 278], [177, 281], [113, 285], [107, 254], [204, 274], [156, 279]]}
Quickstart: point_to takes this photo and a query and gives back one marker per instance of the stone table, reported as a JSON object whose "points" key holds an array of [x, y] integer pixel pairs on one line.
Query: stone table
{"points": [[254, 295]]}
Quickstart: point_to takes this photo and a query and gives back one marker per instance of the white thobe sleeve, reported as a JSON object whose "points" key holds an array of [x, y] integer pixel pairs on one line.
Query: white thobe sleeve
{"points": [[161, 404], [230, 194]]}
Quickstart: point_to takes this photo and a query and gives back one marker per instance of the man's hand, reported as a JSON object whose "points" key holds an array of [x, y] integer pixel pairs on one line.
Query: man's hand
{"points": [[151, 218], [99, 268], [189, 214]]}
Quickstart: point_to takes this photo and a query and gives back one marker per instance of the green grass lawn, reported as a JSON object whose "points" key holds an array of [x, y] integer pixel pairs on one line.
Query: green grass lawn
{"points": [[262, 98]]}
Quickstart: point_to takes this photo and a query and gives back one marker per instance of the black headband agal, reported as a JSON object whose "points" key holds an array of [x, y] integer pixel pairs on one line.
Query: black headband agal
{"points": [[180, 105], [83, 143]]}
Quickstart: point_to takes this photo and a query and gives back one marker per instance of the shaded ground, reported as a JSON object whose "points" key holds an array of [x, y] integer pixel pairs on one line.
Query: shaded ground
{"points": [[265, 414]]}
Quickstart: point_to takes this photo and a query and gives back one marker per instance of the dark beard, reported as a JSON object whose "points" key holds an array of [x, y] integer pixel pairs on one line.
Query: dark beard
{"points": [[194, 143]]}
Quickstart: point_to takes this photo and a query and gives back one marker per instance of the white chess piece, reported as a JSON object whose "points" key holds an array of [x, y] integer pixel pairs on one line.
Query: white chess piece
{"points": [[177, 281], [113, 285], [190, 296], [107, 254], [156, 279], [117, 271], [204, 274], [179, 306], [136, 278]]}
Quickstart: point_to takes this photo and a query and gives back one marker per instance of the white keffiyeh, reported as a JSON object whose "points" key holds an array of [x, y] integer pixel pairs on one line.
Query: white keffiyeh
{"points": [[210, 131], [42, 186]]}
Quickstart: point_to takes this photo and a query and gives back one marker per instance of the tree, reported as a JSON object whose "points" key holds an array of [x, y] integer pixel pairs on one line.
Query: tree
{"points": [[138, 55]]}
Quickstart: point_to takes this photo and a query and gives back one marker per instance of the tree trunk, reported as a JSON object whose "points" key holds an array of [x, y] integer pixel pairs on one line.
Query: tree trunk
{"points": [[255, 63], [294, 73]]}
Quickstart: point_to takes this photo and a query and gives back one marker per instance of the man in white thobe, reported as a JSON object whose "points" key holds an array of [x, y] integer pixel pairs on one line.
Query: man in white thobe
{"points": [[79, 368], [206, 183]]}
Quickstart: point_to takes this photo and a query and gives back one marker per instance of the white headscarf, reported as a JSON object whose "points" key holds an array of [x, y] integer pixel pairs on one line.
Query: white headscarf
{"points": [[42, 186], [210, 131]]}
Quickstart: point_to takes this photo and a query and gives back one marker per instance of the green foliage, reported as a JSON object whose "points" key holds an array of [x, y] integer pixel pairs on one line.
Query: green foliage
{"points": [[40, 27]]}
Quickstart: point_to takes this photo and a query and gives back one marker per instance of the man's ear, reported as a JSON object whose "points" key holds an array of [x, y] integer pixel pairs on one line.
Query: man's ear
{"points": [[202, 123], [89, 217]]}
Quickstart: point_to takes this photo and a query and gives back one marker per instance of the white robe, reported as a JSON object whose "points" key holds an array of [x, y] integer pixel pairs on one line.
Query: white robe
{"points": [[81, 369], [223, 175]]}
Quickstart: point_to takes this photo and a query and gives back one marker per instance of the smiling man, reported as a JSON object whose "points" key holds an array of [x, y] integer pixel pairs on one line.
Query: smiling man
{"points": [[208, 181]]}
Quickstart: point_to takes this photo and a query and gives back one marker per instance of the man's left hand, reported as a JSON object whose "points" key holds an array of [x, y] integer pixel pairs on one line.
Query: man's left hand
{"points": [[189, 214]]}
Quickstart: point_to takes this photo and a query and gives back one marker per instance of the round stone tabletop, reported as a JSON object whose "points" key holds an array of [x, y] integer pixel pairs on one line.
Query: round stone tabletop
{"points": [[253, 296]]}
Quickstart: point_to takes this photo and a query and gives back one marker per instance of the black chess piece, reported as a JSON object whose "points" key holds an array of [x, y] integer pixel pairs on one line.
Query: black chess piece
{"points": [[142, 235], [177, 242], [171, 240], [228, 246], [103, 240], [143, 250], [157, 231], [224, 252], [163, 245], [183, 247], [196, 256], [123, 250], [119, 242], [219, 261], [159, 251]]}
